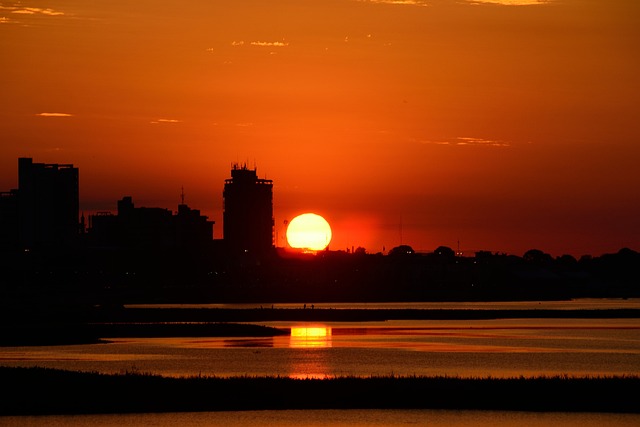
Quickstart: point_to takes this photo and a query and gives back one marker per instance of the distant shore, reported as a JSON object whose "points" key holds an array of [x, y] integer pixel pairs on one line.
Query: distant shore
{"points": [[119, 314], [72, 334], [41, 391], [352, 315], [66, 327]]}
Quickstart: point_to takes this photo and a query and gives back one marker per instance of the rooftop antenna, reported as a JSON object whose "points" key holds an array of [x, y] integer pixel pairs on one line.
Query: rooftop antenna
{"points": [[182, 195], [400, 229]]}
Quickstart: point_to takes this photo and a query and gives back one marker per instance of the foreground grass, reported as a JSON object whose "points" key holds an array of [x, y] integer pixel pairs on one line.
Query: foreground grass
{"points": [[34, 391]]}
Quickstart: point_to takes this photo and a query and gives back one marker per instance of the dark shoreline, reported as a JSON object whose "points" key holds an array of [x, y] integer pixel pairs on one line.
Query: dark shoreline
{"points": [[352, 315], [72, 334], [93, 325], [31, 314], [43, 391]]}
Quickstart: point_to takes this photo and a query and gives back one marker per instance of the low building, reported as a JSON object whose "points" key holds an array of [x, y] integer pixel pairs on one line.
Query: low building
{"points": [[143, 227]]}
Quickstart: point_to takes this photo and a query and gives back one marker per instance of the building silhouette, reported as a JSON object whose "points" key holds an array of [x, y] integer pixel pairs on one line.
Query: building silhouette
{"points": [[192, 230], [9, 220], [150, 228], [46, 205], [248, 211]]}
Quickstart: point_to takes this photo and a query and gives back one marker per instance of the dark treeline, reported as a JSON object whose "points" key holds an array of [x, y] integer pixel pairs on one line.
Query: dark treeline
{"points": [[39, 391], [106, 276]]}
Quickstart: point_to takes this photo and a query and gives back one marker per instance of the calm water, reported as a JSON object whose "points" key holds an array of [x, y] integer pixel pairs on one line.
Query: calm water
{"points": [[500, 348], [478, 348], [350, 418]]}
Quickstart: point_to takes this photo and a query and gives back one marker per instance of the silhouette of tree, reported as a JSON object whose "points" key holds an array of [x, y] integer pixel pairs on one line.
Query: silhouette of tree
{"points": [[628, 254], [401, 250], [444, 252], [483, 254], [586, 259], [566, 260], [360, 251], [536, 256]]}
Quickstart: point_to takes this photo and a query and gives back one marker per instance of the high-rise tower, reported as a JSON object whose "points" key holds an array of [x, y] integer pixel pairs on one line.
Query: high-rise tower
{"points": [[48, 204], [248, 211]]}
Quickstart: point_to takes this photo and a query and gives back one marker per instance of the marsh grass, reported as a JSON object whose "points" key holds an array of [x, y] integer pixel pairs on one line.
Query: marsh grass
{"points": [[32, 391]]}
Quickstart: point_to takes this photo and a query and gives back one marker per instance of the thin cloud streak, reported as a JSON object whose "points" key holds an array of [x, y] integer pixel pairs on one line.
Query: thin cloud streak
{"points": [[54, 115], [511, 2], [462, 141], [21, 10], [166, 121], [259, 43], [269, 44], [397, 2]]}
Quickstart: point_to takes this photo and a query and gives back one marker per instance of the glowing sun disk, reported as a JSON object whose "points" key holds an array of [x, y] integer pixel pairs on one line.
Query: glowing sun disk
{"points": [[309, 231]]}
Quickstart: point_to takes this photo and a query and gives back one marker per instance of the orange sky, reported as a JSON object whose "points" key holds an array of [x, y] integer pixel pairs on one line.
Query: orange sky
{"points": [[506, 125]]}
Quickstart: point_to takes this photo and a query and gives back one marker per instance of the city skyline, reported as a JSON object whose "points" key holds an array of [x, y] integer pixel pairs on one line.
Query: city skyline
{"points": [[43, 213], [502, 125]]}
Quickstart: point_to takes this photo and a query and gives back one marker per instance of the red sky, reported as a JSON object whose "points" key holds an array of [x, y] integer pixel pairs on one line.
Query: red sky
{"points": [[504, 125]]}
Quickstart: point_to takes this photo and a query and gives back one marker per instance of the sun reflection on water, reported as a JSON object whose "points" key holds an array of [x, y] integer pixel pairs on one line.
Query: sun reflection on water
{"points": [[311, 361], [310, 337]]}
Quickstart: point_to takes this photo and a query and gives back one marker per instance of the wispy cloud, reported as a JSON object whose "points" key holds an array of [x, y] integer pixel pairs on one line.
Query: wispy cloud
{"points": [[510, 2], [465, 140], [259, 43], [37, 11], [19, 9], [165, 121], [54, 115], [462, 141], [269, 44], [427, 3], [398, 2]]}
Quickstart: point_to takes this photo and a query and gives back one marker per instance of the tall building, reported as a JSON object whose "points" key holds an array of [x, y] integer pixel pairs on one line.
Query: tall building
{"points": [[9, 220], [248, 211], [48, 204]]}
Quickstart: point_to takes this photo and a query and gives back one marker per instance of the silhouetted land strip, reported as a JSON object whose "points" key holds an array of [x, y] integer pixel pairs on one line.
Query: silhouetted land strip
{"points": [[35, 391], [349, 315], [69, 334], [154, 274], [85, 314], [74, 325], [67, 326]]}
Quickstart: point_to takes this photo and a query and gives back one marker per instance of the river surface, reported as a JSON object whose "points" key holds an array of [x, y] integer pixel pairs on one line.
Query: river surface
{"points": [[466, 348], [347, 418], [476, 348]]}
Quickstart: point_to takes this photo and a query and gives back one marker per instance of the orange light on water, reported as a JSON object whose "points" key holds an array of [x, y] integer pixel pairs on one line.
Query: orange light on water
{"points": [[310, 337]]}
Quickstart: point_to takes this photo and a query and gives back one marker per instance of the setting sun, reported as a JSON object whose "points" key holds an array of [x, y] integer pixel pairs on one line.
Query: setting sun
{"points": [[309, 231]]}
